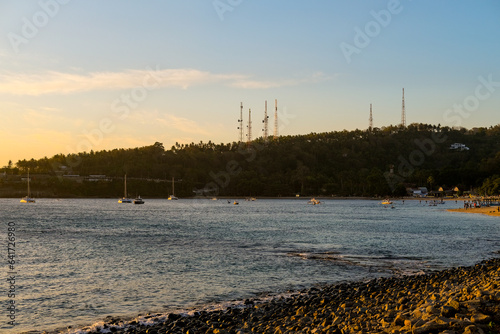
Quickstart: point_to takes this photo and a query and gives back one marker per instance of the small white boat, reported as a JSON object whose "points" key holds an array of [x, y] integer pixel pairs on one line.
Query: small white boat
{"points": [[28, 199]]}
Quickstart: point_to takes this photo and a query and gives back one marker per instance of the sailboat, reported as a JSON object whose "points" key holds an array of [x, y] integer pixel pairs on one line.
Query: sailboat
{"points": [[28, 199], [125, 199], [172, 197]]}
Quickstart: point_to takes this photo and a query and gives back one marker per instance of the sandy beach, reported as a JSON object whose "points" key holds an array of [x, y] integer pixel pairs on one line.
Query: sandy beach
{"points": [[490, 211]]}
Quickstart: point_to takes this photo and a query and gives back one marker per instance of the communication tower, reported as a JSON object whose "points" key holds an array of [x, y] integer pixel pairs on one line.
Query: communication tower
{"points": [[265, 121], [240, 127], [403, 112], [275, 119], [249, 126], [370, 125]]}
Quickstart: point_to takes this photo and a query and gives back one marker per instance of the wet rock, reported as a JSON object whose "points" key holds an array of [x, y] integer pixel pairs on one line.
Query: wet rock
{"points": [[400, 320], [173, 316], [431, 310], [448, 311], [480, 318], [472, 330]]}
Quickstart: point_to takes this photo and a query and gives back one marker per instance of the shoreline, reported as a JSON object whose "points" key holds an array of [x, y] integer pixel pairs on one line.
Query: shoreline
{"points": [[242, 198], [455, 300]]}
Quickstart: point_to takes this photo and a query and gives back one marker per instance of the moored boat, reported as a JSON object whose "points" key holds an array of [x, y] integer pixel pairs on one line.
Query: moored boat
{"points": [[172, 197], [28, 198], [138, 200], [125, 199], [314, 201]]}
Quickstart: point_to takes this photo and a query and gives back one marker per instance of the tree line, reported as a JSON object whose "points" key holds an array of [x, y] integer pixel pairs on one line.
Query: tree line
{"points": [[377, 162]]}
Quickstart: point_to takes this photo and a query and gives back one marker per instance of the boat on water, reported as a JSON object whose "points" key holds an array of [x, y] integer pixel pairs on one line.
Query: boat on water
{"points": [[28, 198], [138, 200], [125, 199], [236, 203], [386, 202], [314, 201], [172, 197]]}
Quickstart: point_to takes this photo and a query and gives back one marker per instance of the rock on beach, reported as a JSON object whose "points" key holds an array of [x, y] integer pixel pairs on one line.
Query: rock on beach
{"points": [[454, 301]]}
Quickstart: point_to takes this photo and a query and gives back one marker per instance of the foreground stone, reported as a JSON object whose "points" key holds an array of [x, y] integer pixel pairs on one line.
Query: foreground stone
{"points": [[454, 301]]}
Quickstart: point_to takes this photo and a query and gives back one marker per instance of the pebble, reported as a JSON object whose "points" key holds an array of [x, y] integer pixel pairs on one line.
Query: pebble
{"points": [[461, 300]]}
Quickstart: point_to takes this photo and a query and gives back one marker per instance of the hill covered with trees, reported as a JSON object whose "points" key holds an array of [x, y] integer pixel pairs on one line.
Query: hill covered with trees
{"points": [[379, 162]]}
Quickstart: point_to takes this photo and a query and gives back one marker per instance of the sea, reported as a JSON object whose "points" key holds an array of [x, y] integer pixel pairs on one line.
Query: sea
{"points": [[71, 263]]}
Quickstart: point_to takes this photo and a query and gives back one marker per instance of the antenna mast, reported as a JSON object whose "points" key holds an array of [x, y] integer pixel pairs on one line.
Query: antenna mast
{"points": [[240, 127], [249, 139], [275, 119], [370, 125], [265, 121], [403, 112]]}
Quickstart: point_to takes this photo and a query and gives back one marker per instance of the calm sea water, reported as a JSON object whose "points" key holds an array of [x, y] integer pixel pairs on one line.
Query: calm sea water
{"points": [[80, 260]]}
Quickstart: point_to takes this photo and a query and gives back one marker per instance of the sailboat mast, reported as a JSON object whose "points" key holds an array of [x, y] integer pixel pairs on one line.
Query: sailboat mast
{"points": [[125, 191], [173, 183], [29, 195]]}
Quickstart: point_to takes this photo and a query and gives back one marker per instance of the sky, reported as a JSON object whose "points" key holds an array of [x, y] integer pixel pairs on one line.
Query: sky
{"points": [[88, 75]]}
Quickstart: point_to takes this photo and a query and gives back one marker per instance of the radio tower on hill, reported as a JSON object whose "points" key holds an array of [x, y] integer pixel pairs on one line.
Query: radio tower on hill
{"points": [[370, 124], [275, 136], [265, 121], [241, 123], [249, 126], [403, 112]]}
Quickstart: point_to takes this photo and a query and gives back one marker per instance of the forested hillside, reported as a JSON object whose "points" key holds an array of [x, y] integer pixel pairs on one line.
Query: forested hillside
{"points": [[347, 163]]}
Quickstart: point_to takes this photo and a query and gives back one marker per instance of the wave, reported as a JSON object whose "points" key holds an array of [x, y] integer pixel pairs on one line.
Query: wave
{"points": [[393, 265]]}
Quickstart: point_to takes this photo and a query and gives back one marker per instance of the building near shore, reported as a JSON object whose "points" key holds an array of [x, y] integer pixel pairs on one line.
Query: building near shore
{"points": [[417, 192], [459, 147]]}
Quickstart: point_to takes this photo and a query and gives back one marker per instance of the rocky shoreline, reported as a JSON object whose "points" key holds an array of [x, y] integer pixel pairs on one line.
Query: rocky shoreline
{"points": [[458, 300]]}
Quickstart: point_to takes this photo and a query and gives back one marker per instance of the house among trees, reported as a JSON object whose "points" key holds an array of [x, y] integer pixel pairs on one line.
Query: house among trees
{"points": [[459, 147], [417, 192], [445, 193]]}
